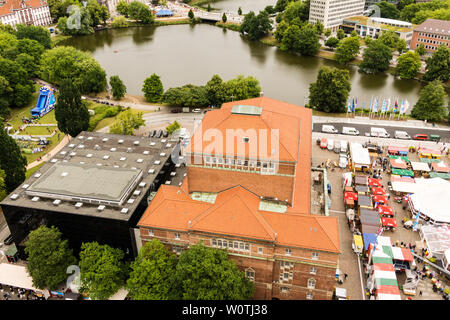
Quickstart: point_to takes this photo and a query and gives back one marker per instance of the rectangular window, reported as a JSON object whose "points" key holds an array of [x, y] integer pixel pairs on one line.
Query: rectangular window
{"points": [[309, 296], [177, 236], [150, 233], [247, 247], [311, 283], [236, 245], [313, 270], [220, 160], [250, 274], [286, 275], [260, 250], [214, 242], [288, 252], [284, 289], [315, 256], [230, 244], [225, 244], [241, 246], [219, 243]]}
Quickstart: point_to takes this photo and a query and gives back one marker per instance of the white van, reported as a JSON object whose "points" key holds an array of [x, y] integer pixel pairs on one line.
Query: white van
{"points": [[329, 129], [401, 135], [344, 146], [379, 132], [350, 130], [330, 145]]}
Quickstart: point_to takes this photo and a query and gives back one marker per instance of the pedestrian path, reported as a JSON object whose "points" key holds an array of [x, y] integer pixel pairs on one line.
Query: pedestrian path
{"points": [[51, 153]]}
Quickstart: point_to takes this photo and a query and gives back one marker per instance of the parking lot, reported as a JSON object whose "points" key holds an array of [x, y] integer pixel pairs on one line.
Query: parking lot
{"points": [[348, 261]]}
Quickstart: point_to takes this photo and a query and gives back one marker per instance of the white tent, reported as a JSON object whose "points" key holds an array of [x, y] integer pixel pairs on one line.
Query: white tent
{"points": [[420, 166], [405, 187], [16, 276], [431, 199], [437, 239], [360, 156]]}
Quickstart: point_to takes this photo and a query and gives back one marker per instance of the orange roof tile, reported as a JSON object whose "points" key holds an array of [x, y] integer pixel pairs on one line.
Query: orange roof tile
{"points": [[10, 5]]}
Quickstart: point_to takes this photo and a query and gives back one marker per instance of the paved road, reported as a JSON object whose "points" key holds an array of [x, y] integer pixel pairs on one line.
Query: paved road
{"points": [[363, 128]]}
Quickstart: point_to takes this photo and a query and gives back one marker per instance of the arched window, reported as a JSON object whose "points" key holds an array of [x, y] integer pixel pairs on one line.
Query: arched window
{"points": [[250, 274], [311, 283]]}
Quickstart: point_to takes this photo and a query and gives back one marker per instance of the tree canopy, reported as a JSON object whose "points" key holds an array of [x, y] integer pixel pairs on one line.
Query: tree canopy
{"points": [[204, 273], [38, 33], [117, 87], [432, 103], [438, 65], [127, 123], [330, 92], [332, 42], [216, 91], [256, 26], [347, 49], [408, 65], [376, 57], [151, 272], [388, 10], [141, 12], [153, 88], [102, 271], [48, 257]]}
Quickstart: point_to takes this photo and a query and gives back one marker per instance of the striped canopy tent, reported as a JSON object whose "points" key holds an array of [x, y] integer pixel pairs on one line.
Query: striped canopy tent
{"points": [[401, 151], [403, 172], [381, 199], [389, 222], [397, 178], [427, 160], [398, 163], [440, 167], [404, 158], [443, 175]]}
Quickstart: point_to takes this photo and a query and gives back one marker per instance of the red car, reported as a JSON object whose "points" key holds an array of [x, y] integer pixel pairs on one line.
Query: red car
{"points": [[323, 143], [420, 136]]}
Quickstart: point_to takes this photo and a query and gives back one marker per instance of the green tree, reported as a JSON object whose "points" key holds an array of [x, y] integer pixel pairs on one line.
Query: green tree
{"points": [[153, 88], [431, 105], [296, 9], [319, 27], [404, 3], [332, 42], [117, 87], [354, 33], [327, 33], [65, 25], [368, 40], [140, 12], [127, 123], [18, 80], [48, 257], [421, 50], [438, 65], [5, 97], [281, 5], [7, 41], [216, 91], [38, 33], [388, 10], [308, 40], [186, 96], [401, 46], [204, 273], [408, 65], [280, 30], [64, 62], [340, 34], [96, 12], [102, 271], [209, 8], [330, 92], [291, 39], [240, 11], [28, 63], [256, 26], [389, 38], [119, 22], [151, 272], [71, 112], [3, 191], [122, 8], [242, 88], [191, 14], [12, 162], [224, 18], [376, 57], [172, 127], [347, 49], [270, 10]]}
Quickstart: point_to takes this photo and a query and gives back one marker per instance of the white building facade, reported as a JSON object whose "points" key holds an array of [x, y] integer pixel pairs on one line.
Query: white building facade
{"points": [[28, 12], [332, 12]]}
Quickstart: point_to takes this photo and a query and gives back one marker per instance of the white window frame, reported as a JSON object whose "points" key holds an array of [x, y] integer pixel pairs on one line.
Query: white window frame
{"points": [[177, 236], [260, 251], [315, 256], [313, 270], [250, 274], [288, 252], [309, 296], [214, 242], [311, 283], [150, 233]]}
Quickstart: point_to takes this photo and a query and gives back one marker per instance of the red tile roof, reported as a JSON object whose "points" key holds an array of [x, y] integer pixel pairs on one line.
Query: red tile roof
{"points": [[441, 27], [236, 213], [10, 5]]}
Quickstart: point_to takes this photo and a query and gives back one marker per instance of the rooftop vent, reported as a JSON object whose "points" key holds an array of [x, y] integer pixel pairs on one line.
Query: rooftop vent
{"points": [[97, 147], [81, 146], [63, 152], [168, 145], [35, 199], [113, 149], [162, 154], [151, 171], [152, 143], [136, 193], [130, 201], [173, 173], [163, 140], [65, 161], [181, 158], [105, 157], [142, 184], [168, 182], [81, 137], [57, 202], [89, 155], [78, 204], [133, 168], [82, 162], [146, 152], [25, 186], [90, 138], [14, 196], [101, 208], [184, 175], [99, 164], [129, 150], [157, 162], [120, 141], [54, 160], [177, 165], [123, 159], [124, 210], [37, 175], [105, 139], [247, 110], [64, 174], [71, 145], [139, 160], [72, 154], [136, 143], [116, 166]]}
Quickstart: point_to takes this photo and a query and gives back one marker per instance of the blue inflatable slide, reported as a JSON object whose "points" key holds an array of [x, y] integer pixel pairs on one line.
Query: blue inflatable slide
{"points": [[45, 103]]}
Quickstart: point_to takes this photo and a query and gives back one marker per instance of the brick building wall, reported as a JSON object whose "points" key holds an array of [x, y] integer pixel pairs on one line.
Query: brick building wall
{"points": [[276, 274], [431, 41]]}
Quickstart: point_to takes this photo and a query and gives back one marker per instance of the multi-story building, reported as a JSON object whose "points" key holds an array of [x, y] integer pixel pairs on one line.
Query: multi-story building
{"points": [[332, 12], [95, 189], [369, 3], [28, 12], [250, 194], [432, 33], [374, 27]]}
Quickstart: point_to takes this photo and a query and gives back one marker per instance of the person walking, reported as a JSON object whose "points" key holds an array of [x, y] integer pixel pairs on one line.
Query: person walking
{"points": [[345, 276]]}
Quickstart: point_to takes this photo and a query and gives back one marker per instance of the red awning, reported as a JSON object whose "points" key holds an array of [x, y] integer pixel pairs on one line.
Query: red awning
{"points": [[389, 222], [385, 211], [375, 182], [395, 150], [378, 191], [351, 195], [380, 199]]}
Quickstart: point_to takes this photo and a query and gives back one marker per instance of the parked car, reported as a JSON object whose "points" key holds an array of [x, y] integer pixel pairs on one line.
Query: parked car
{"points": [[343, 161], [435, 137], [8, 240], [152, 133], [159, 134], [401, 135], [379, 132], [197, 110], [329, 129], [165, 134], [177, 110], [323, 143], [350, 130], [337, 147], [330, 145], [344, 146], [420, 136]]}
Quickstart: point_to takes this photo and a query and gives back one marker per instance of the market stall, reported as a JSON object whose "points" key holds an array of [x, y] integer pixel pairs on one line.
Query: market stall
{"points": [[360, 158], [380, 199], [349, 199], [385, 211], [404, 158], [429, 153], [389, 223], [436, 239], [375, 182], [400, 151], [364, 202], [17, 276], [361, 180], [427, 160], [368, 228], [395, 177], [440, 167], [398, 164], [401, 188], [362, 189], [357, 244], [369, 238], [370, 217], [402, 172], [378, 191], [402, 258], [442, 175]]}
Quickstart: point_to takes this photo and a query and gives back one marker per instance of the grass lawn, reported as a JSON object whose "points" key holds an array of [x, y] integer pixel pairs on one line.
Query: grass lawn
{"points": [[38, 130], [109, 121], [33, 170], [326, 114]]}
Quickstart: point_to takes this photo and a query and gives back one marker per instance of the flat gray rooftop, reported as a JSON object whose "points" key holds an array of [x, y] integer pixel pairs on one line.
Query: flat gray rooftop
{"points": [[68, 181]]}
